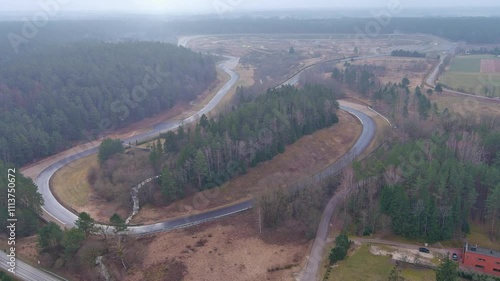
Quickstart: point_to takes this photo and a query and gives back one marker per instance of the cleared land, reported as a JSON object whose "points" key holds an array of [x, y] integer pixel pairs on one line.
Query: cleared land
{"points": [[478, 74], [394, 69], [466, 105], [270, 53], [228, 249]]}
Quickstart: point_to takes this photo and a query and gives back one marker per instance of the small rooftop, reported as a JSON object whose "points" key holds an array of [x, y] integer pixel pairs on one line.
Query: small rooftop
{"points": [[483, 251]]}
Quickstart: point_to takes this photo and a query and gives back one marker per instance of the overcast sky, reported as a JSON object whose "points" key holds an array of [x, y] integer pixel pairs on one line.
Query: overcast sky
{"points": [[212, 6]]}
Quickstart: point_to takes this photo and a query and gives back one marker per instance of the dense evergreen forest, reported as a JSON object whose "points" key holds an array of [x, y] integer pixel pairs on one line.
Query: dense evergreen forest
{"points": [[28, 201], [433, 197], [436, 174], [18, 40], [58, 95], [257, 130]]}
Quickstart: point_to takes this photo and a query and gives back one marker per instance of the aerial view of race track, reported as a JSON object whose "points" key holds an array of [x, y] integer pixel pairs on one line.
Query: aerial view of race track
{"points": [[249, 147]]}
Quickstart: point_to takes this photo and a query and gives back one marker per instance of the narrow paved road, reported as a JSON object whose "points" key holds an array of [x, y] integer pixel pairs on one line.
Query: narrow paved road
{"points": [[310, 273], [433, 76], [27, 272]]}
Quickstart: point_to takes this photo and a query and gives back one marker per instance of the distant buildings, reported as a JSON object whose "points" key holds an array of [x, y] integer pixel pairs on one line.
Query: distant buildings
{"points": [[481, 259]]}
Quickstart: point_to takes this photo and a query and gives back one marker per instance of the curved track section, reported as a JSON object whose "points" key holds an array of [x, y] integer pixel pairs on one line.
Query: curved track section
{"points": [[56, 210]]}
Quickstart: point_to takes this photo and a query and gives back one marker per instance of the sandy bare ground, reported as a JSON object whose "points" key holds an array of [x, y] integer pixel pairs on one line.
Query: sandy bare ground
{"points": [[403, 254]]}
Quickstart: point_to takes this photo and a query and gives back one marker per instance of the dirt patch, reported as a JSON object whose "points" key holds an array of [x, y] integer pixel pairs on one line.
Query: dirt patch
{"points": [[229, 249], [490, 66], [404, 255], [302, 159]]}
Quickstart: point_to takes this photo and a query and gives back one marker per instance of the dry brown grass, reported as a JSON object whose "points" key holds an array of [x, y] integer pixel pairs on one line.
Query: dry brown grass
{"points": [[399, 68], [70, 185], [464, 105], [231, 249], [301, 160]]}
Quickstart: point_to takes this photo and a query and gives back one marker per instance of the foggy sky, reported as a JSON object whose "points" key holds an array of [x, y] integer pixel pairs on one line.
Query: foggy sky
{"points": [[213, 6]]}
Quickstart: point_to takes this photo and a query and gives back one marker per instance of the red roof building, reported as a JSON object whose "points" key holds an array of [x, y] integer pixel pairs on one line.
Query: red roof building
{"points": [[481, 259]]}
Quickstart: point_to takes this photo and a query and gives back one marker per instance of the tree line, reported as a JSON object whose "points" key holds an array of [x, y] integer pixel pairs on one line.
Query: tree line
{"points": [[430, 188], [410, 54], [481, 51], [356, 77], [217, 150], [28, 203], [56, 96]]}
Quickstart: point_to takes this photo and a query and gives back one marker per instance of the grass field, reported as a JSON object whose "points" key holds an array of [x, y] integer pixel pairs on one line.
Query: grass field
{"points": [[479, 235], [70, 185], [466, 105], [465, 75], [468, 63], [363, 265]]}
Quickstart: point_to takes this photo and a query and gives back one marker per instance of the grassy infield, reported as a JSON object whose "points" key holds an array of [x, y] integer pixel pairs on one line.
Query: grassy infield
{"points": [[465, 75]]}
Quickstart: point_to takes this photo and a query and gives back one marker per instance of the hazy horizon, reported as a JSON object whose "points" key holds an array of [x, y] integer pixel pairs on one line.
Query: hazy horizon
{"points": [[216, 6]]}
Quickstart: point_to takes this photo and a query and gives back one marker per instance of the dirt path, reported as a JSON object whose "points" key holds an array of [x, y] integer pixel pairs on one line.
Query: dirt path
{"points": [[443, 251]]}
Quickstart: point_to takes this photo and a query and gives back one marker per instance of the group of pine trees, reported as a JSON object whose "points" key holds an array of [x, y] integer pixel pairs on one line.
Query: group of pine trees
{"points": [[436, 194], [359, 78], [28, 202], [55, 96], [403, 53], [396, 95], [217, 150]]}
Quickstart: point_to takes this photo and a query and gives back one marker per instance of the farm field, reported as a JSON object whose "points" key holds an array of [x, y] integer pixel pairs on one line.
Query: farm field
{"points": [[478, 74]]}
